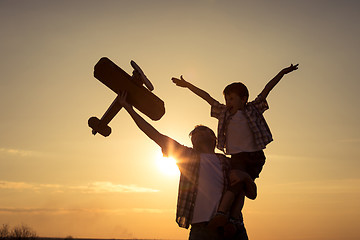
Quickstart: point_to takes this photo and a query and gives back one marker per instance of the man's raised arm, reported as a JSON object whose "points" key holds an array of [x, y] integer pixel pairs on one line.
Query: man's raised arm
{"points": [[144, 126]]}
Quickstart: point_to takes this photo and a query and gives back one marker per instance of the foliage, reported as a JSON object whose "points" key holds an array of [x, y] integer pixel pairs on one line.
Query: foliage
{"points": [[17, 233]]}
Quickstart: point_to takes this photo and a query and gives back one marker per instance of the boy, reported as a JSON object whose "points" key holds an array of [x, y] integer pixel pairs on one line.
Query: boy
{"points": [[203, 177], [243, 133]]}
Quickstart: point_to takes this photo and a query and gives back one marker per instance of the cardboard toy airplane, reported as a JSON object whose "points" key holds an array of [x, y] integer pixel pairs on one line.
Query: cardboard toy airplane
{"points": [[118, 80]]}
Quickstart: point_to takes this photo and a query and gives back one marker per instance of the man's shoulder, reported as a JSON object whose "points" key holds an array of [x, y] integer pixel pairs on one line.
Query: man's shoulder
{"points": [[177, 150], [221, 155], [223, 158], [225, 161]]}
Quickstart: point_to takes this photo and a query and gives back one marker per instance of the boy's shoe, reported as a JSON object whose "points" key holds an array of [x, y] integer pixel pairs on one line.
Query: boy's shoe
{"points": [[219, 220], [232, 227], [229, 230]]}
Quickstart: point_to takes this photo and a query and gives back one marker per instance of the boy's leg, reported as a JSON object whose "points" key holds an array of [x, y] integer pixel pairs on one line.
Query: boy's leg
{"points": [[238, 206], [255, 164], [226, 203], [231, 194], [235, 216], [227, 200]]}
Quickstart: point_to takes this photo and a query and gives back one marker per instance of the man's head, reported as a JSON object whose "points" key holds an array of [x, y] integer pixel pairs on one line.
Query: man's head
{"points": [[236, 96], [203, 139]]}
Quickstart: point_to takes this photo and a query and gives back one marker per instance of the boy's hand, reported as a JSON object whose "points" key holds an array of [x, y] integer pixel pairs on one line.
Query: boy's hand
{"points": [[290, 69], [238, 176], [180, 82]]}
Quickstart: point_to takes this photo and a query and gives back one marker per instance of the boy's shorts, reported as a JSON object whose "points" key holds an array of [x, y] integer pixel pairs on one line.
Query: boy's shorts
{"points": [[249, 162]]}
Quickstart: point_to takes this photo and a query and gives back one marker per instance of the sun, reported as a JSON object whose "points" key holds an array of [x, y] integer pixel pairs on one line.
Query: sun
{"points": [[167, 165]]}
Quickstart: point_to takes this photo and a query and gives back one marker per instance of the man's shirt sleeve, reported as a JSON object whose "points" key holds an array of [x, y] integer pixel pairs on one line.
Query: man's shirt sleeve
{"points": [[180, 153]]}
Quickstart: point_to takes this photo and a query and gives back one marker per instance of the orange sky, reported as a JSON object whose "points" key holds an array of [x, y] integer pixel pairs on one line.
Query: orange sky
{"points": [[60, 180]]}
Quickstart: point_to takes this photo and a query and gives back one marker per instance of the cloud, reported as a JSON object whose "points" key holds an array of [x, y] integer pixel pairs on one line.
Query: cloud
{"points": [[339, 186], [350, 140], [27, 210], [17, 152], [151, 210], [13, 210], [94, 187], [286, 157], [109, 187], [16, 185]]}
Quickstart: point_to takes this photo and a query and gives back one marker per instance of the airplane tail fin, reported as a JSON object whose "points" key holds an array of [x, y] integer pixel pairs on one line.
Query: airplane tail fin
{"points": [[97, 127]]}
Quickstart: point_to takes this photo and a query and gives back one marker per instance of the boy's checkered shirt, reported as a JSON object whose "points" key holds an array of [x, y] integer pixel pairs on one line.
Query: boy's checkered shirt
{"points": [[254, 113]]}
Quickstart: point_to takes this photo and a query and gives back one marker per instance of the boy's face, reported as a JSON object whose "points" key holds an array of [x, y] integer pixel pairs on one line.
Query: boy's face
{"points": [[234, 102]]}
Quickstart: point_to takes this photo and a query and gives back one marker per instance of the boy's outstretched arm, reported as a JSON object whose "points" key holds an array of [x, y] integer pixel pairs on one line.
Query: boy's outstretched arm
{"points": [[144, 126], [271, 84], [201, 93]]}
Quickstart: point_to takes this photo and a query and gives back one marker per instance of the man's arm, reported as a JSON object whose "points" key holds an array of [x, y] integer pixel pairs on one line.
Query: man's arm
{"points": [[272, 83], [144, 126], [201, 93]]}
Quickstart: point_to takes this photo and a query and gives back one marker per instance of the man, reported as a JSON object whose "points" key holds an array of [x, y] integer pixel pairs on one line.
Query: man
{"points": [[202, 179]]}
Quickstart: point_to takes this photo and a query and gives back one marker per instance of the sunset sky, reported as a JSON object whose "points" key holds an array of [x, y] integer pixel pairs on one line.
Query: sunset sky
{"points": [[60, 180]]}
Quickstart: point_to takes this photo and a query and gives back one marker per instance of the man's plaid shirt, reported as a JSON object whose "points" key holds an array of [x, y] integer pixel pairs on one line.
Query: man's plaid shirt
{"points": [[188, 161], [254, 113]]}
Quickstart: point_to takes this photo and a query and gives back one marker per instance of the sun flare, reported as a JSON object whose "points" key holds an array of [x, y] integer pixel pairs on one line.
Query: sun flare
{"points": [[167, 165]]}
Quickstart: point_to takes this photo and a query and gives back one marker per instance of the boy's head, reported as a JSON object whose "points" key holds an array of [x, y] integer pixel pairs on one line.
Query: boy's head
{"points": [[236, 96], [203, 138]]}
